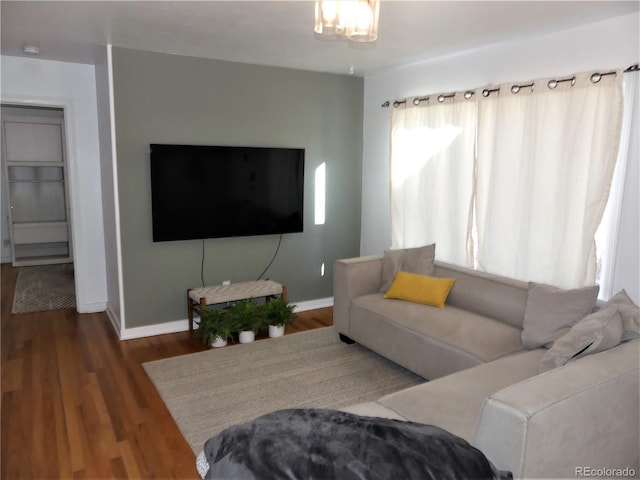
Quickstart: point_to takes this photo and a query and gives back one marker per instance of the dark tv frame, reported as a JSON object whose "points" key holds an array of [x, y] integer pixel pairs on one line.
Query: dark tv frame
{"points": [[259, 190]]}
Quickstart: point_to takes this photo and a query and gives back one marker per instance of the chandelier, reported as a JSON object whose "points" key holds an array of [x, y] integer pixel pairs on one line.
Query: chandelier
{"points": [[356, 20]]}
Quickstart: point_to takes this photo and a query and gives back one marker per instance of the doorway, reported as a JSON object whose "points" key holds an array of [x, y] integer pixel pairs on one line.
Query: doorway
{"points": [[35, 210], [36, 226]]}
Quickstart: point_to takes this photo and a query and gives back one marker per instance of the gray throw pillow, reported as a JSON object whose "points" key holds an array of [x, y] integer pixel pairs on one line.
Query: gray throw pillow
{"points": [[551, 311], [413, 260], [390, 266], [629, 312], [595, 333]]}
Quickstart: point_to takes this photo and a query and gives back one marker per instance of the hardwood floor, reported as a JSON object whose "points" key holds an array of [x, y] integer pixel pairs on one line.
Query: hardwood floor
{"points": [[76, 402]]}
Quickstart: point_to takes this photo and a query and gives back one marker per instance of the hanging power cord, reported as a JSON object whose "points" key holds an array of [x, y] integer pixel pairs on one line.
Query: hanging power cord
{"points": [[274, 257], [259, 277], [202, 265]]}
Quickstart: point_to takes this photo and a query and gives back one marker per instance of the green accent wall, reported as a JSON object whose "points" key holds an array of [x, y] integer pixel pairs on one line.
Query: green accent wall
{"points": [[162, 98]]}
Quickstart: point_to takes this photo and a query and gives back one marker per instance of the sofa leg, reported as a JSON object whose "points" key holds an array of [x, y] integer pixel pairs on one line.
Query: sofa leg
{"points": [[346, 339]]}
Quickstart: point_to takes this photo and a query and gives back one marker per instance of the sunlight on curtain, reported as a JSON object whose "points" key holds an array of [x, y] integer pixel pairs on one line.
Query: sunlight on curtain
{"points": [[432, 165], [545, 162]]}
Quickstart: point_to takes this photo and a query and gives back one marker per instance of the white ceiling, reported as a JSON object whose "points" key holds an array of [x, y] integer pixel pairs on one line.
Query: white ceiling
{"points": [[280, 33]]}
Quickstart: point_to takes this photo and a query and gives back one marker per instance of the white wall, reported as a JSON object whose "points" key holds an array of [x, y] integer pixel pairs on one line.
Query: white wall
{"points": [[70, 86], [109, 188], [604, 45]]}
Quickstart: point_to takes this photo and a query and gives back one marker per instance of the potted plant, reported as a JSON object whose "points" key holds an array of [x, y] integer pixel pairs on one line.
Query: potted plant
{"points": [[247, 317], [278, 313], [215, 328]]}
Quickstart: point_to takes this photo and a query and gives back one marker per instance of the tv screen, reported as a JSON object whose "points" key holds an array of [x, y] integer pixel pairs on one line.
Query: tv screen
{"points": [[216, 191]]}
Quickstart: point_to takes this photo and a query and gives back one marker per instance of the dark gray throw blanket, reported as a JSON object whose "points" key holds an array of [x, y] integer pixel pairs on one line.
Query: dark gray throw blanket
{"points": [[328, 444]]}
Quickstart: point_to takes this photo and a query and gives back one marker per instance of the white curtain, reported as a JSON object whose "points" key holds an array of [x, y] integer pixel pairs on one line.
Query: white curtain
{"points": [[544, 165], [432, 168], [608, 232]]}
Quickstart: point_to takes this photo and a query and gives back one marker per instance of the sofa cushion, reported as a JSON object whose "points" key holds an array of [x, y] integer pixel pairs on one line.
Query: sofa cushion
{"points": [[552, 311], [489, 295], [420, 288], [427, 340], [454, 402], [413, 260], [583, 414], [629, 312], [595, 333], [372, 409]]}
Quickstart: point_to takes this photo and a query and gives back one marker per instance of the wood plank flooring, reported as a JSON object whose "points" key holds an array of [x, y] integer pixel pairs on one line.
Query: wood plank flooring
{"points": [[76, 402]]}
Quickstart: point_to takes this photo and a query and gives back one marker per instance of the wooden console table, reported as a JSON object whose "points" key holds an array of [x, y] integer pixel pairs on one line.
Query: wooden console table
{"points": [[197, 297]]}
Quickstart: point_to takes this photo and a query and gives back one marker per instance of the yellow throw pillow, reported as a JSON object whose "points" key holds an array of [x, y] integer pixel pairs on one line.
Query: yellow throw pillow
{"points": [[420, 289]]}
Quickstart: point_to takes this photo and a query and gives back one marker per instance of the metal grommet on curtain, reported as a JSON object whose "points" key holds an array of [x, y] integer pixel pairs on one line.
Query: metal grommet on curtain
{"points": [[443, 97], [488, 91], [554, 83], [597, 76], [516, 88], [468, 94]]}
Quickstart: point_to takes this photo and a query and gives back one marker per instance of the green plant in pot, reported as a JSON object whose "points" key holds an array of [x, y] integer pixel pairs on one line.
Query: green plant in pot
{"points": [[278, 313], [247, 317], [214, 326]]}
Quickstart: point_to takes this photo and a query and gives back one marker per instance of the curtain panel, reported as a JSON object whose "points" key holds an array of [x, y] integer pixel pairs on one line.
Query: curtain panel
{"points": [[607, 235], [432, 169], [514, 181], [545, 161]]}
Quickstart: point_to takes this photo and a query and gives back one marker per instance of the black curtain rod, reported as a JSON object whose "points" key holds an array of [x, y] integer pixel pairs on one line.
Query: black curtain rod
{"points": [[595, 78]]}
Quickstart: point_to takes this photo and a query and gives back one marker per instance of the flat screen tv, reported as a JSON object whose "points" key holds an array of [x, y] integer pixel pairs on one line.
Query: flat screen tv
{"points": [[217, 191]]}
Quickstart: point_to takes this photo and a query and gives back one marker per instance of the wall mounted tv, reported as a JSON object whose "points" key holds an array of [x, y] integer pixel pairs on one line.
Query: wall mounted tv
{"points": [[202, 191]]}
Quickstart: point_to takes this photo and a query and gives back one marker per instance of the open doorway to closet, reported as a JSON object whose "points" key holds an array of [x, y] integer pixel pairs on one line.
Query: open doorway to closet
{"points": [[35, 208]]}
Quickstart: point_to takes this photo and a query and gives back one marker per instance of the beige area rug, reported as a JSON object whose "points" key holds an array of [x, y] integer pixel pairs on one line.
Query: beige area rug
{"points": [[209, 391], [44, 287]]}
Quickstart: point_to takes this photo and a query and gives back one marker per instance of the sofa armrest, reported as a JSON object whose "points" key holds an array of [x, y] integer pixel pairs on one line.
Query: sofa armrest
{"points": [[580, 416], [353, 277]]}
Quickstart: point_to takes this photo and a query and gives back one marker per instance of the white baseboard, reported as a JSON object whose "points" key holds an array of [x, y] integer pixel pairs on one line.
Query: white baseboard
{"points": [[183, 325], [313, 304], [115, 321], [91, 307], [157, 329]]}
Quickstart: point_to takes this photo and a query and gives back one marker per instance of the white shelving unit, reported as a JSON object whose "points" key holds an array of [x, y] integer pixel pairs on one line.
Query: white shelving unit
{"points": [[34, 153]]}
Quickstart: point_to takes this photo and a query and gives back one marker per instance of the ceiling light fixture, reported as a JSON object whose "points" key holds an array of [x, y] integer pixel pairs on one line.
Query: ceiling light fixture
{"points": [[355, 20], [31, 50]]}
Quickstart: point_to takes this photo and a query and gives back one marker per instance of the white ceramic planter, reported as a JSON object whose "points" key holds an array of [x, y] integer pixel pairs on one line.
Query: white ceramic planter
{"points": [[219, 342], [246, 336], [276, 331]]}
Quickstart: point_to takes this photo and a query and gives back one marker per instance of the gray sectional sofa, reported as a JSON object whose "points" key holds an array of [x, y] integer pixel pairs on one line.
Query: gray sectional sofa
{"points": [[490, 355]]}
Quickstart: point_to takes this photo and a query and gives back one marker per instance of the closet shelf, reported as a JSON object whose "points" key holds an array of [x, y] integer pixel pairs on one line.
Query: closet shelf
{"points": [[36, 181], [34, 164]]}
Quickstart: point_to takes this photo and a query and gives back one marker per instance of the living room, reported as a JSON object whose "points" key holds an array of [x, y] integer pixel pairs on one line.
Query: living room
{"points": [[116, 262], [338, 118]]}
